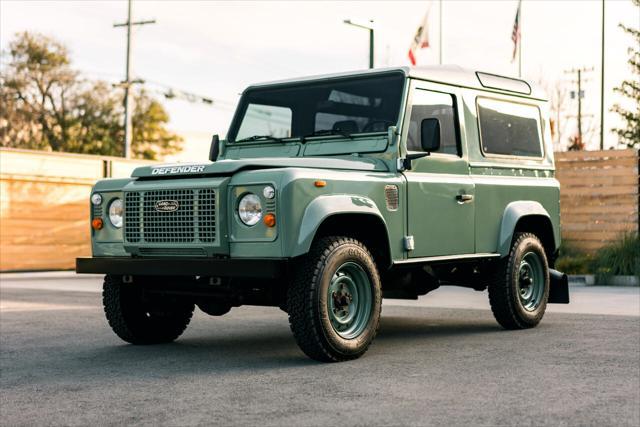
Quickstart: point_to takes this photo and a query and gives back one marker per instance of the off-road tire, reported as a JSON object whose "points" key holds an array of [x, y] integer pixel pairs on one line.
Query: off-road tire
{"points": [[307, 300], [138, 320], [506, 305]]}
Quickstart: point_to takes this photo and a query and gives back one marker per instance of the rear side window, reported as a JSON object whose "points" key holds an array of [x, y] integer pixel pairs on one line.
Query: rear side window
{"points": [[509, 129]]}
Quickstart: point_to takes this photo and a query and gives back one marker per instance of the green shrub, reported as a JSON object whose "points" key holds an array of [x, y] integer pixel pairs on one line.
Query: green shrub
{"points": [[620, 258], [573, 261]]}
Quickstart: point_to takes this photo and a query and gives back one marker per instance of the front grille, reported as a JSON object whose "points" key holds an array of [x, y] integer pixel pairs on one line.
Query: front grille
{"points": [[170, 216], [173, 251]]}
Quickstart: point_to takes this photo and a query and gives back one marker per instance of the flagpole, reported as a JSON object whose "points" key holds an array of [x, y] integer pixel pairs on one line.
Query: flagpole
{"points": [[520, 47], [602, 84], [440, 35]]}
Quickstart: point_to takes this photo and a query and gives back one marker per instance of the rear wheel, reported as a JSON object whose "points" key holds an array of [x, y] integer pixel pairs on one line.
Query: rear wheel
{"points": [[520, 288], [334, 302], [139, 319]]}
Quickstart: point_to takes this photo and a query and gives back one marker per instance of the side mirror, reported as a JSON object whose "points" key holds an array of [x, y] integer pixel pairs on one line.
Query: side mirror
{"points": [[430, 134], [429, 141], [214, 149]]}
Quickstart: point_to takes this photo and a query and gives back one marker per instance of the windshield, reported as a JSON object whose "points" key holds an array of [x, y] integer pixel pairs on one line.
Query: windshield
{"points": [[344, 106]]}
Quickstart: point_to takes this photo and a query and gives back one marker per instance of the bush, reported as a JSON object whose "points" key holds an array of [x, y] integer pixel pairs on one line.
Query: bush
{"points": [[620, 258], [573, 261]]}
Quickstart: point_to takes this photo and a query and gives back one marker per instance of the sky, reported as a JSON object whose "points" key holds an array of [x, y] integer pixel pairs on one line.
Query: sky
{"points": [[216, 49]]}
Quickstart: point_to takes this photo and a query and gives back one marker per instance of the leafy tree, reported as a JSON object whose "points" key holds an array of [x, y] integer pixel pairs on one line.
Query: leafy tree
{"points": [[46, 105], [150, 138], [35, 93], [630, 134]]}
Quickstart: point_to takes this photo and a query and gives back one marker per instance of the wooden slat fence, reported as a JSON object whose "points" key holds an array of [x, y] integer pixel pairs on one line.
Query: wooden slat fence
{"points": [[44, 205], [599, 196]]}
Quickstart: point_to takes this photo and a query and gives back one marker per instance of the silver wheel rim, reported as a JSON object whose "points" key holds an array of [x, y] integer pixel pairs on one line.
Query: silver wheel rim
{"points": [[349, 300], [530, 281]]}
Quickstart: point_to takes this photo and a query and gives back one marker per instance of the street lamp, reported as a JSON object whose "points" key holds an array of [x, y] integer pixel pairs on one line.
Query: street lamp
{"points": [[349, 22]]}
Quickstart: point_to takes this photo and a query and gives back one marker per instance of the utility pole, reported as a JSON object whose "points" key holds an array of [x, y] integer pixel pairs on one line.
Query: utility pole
{"points": [[579, 95], [440, 33], [371, 40], [602, 85], [127, 83]]}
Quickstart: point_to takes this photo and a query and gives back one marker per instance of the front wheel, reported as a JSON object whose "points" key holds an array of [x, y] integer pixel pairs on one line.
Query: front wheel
{"points": [[143, 319], [520, 288], [334, 302]]}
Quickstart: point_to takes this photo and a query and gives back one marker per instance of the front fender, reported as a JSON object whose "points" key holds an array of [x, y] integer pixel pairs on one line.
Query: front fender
{"points": [[325, 206], [512, 214]]}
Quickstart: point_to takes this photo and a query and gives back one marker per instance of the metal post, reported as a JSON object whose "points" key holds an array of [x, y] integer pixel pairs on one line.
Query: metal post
{"points": [[371, 47], [520, 47], [127, 86], [580, 106], [602, 84], [440, 33], [371, 37]]}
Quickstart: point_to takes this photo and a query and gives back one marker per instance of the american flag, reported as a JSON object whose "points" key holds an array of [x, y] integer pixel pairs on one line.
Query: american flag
{"points": [[515, 34]]}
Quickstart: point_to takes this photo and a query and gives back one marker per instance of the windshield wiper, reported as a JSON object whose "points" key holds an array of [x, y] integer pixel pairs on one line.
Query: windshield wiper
{"points": [[328, 132], [258, 137]]}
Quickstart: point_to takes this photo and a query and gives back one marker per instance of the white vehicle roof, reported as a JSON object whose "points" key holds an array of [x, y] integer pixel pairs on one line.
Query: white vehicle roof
{"points": [[447, 74]]}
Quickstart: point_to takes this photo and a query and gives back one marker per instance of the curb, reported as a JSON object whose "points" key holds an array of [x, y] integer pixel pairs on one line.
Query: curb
{"points": [[47, 275], [590, 280]]}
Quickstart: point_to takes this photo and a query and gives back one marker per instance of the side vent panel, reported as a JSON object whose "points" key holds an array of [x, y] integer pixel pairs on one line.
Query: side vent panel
{"points": [[391, 197]]}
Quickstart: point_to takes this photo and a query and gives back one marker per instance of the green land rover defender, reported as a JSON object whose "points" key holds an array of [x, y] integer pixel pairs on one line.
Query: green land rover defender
{"points": [[331, 193]]}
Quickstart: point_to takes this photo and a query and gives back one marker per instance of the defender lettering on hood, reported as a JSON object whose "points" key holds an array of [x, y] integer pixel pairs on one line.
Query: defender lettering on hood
{"points": [[163, 170]]}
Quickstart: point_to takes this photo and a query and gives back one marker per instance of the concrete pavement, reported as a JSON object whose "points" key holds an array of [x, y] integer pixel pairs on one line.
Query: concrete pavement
{"points": [[60, 364], [622, 301]]}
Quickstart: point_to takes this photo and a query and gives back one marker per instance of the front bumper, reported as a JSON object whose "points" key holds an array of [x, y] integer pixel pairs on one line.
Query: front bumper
{"points": [[248, 268]]}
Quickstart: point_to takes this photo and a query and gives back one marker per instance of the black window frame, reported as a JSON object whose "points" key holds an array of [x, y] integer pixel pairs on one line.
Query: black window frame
{"points": [[456, 120], [541, 139], [243, 104]]}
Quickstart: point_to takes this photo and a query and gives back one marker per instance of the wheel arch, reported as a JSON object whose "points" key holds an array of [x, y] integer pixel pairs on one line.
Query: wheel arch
{"points": [[527, 216], [345, 215]]}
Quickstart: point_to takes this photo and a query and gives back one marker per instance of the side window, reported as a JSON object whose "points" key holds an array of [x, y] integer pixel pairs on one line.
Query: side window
{"points": [[427, 104], [509, 129], [269, 120]]}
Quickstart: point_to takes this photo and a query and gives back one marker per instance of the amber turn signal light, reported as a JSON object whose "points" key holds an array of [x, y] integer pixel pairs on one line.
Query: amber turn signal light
{"points": [[270, 220], [97, 223], [320, 183]]}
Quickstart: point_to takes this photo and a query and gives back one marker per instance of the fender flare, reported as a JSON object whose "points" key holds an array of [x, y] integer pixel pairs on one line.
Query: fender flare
{"points": [[513, 213], [324, 207]]}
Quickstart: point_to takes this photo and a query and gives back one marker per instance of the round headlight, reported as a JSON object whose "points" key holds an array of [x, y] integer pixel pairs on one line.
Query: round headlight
{"points": [[250, 209], [96, 199], [115, 213], [269, 192]]}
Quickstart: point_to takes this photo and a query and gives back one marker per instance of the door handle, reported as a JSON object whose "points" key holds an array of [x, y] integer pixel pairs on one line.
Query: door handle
{"points": [[464, 198]]}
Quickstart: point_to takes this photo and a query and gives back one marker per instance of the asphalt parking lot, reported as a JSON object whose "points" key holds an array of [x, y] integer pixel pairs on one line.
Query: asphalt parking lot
{"points": [[439, 361]]}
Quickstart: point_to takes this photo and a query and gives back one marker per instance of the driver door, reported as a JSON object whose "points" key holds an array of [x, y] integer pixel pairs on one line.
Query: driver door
{"points": [[439, 189]]}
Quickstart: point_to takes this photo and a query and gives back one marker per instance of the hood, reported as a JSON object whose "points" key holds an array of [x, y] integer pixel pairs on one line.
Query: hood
{"points": [[229, 167]]}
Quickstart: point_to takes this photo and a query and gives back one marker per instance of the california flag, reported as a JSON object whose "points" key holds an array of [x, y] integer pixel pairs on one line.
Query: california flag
{"points": [[421, 39]]}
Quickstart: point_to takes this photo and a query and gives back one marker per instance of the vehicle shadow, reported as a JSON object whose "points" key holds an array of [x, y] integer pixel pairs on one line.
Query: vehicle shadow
{"points": [[260, 345], [231, 349]]}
